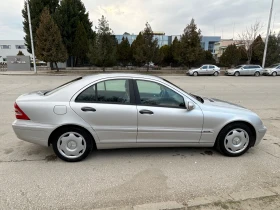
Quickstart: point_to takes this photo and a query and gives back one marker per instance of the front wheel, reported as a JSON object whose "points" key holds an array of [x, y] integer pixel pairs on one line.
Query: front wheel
{"points": [[274, 74], [195, 74], [234, 139], [72, 144], [257, 74], [236, 74]]}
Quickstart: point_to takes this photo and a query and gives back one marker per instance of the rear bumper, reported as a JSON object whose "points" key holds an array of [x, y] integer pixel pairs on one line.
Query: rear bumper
{"points": [[29, 131], [260, 134]]}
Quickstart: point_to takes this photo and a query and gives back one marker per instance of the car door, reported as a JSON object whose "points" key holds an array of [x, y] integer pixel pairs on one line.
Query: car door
{"points": [[244, 70], [252, 70], [278, 70], [162, 116], [203, 70], [211, 69], [109, 107]]}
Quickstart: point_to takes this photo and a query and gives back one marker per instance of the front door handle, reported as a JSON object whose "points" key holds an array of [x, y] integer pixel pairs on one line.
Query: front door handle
{"points": [[144, 111], [88, 109]]}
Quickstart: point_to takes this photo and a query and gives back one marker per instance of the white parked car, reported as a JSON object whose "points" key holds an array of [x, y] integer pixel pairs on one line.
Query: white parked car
{"points": [[207, 69], [273, 70], [255, 70]]}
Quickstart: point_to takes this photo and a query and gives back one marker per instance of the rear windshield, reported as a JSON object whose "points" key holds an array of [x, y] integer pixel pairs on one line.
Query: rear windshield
{"points": [[61, 86]]}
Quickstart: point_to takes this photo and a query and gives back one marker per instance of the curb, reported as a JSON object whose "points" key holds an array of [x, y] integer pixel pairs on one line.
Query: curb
{"points": [[202, 201]]}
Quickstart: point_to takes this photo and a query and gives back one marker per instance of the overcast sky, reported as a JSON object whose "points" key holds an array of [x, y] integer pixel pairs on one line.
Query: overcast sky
{"points": [[213, 17]]}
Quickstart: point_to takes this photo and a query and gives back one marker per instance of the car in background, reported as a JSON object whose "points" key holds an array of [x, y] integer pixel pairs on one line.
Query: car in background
{"points": [[207, 69], [272, 70], [254, 70], [107, 111]]}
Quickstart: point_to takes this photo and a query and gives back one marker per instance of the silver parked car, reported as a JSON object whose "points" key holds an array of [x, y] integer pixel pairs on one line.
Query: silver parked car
{"points": [[273, 70], [255, 70], [108, 111], [207, 69]]}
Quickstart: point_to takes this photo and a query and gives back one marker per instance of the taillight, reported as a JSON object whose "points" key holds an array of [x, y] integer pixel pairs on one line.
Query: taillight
{"points": [[20, 114]]}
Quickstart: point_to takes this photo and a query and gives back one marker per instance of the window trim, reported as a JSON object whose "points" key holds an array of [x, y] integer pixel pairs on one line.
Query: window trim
{"points": [[137, 94], [131, 92]]}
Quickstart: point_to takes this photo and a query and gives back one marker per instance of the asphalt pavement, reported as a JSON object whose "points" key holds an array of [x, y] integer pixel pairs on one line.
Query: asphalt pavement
{"points": [[31, 177]]}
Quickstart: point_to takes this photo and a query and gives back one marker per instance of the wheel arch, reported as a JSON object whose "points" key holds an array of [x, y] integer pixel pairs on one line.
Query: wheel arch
{"points": [[70, 126], [252, 128]]}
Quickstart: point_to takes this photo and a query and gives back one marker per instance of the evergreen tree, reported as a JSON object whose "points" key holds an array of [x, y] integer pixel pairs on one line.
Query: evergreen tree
{"points": [[243, 55], [36, 8], [137, 52], [49, 43], [103, 51], [273, 50], [258, 49], [167, 55], [176, 51], [80, 48], [20, 53], [68, 16], [191, 50], [231, 56], [207, 58], [124, 53], [158, 56]]}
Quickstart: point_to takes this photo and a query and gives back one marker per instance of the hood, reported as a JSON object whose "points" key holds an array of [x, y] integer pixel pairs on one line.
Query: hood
{"points": [[194, 69], [231, 70], [223, 104], [269, 69]]}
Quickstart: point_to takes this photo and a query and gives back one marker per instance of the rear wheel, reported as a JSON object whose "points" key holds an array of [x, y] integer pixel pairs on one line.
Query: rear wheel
{"points": [[195, 74], [257, 74], [216, 73], [234, 139], [72, 144], [274, 74], [236, 74]]}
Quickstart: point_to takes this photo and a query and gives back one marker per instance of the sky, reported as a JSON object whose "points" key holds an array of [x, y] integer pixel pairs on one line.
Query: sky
{"points": [[225, 18]]}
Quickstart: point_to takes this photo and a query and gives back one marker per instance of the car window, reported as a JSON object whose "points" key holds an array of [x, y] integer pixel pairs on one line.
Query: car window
{"points": [[246, 67], [110, 91], [278, 67], [237, 67], [204, 67], [154, 94], [211, 67]]}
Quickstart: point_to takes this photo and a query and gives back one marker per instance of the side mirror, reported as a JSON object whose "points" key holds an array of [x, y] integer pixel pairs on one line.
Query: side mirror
{"points": [[189, 106]]}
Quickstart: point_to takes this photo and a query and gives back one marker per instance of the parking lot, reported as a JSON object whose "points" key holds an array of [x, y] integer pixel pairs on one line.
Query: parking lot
{"points": [[32, 176]]}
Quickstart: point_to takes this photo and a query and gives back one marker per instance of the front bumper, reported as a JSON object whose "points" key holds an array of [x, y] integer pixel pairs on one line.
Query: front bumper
{"points": [[229, 73], [267, 73], [29, 131], [189, 73], [260, 134]]}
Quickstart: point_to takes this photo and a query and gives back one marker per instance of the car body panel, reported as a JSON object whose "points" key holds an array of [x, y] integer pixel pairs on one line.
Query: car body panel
{"points": [[269, 71], [248, 70], [121, 126]]}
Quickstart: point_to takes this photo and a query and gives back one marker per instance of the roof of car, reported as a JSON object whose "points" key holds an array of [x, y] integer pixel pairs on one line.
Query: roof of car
{"points": [[110, 75]]}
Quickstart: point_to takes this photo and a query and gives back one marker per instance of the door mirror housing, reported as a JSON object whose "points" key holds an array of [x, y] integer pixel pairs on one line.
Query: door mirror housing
{"points": [[189, 105]]}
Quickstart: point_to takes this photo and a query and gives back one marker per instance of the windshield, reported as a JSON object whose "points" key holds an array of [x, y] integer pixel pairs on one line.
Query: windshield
{"points": [[237, 67], [273, 66], [61, 86], [192, 95]]}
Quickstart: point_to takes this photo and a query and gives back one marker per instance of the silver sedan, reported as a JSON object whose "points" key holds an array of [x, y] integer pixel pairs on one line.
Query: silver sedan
{"points": [[108, 111], [207, 69]]}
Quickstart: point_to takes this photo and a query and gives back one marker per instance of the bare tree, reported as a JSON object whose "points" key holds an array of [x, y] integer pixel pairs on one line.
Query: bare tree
{"points": [[248, 36]]}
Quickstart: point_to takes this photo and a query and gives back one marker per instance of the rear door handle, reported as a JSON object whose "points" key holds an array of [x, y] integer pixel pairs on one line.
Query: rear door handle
{"points": [[144, 111], [88, 109]]}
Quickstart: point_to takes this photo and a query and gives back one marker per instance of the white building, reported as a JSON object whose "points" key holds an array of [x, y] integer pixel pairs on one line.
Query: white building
{"points": [[11, 48]]}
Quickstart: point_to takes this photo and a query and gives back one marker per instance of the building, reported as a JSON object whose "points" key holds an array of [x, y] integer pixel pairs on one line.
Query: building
{"points": [[221, 46], [207, 42], [11, 48]]}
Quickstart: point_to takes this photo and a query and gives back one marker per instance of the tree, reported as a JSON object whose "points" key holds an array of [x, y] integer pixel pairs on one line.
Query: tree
{"points": [[49, 43], [258, 49], [248, 36], [273, 50], [167, 55], [150, 45], [124, 53], [137, 52], [36, 8], [176, 51], [68, 16], [191, 50], [81, 42], [243, 55], [20, 53], [158, 56], [231, 56], [103, 50], [207, 58]]}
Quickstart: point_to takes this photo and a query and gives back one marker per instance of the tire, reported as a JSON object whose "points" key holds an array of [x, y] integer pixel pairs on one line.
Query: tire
{"points": [[257, 74], [237, 73], [216, 73], [230, 138], [274, 73], [77, 142], [195, 74]]}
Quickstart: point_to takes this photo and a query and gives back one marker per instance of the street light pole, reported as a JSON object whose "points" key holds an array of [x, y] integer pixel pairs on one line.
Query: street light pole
{"points": [[31, 37], [267, 34]]}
